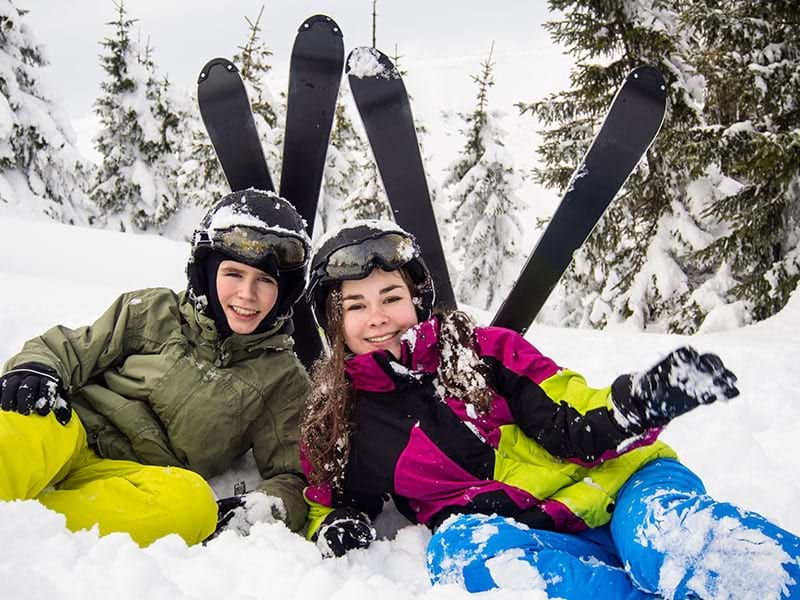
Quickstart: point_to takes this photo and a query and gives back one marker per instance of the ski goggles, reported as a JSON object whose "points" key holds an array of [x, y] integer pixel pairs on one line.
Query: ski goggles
{"points": [[255, 245], [390, 250]]}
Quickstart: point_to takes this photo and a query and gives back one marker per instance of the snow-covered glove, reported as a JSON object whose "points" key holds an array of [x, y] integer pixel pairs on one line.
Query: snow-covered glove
{"points": [[682, 381], [34, 387], [342, 530], [240, 513]]}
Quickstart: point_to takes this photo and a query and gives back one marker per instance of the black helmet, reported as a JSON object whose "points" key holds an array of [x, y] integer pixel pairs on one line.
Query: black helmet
{"points": [[259, 229], [355, 249]]}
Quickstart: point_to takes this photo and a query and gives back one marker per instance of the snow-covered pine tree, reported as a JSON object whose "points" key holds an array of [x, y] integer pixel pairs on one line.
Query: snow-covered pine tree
{"points": [[342, 163], [638, 265], [482, 185], [748, 153], [253, 63], [41, 171], [201, 181], [136, 182], [369, 200]]}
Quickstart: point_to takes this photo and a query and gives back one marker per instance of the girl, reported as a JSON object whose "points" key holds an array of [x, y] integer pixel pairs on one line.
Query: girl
{"points": [[117, 424], [507, 456]]}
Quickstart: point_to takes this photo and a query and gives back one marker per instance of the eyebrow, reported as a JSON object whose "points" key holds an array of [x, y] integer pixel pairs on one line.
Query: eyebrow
{"points": [[234, 269], [385, 290]]}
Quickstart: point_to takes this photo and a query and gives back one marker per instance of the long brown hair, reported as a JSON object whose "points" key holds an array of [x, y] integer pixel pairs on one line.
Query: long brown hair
{"points": [[325, 427], [326, 424]]}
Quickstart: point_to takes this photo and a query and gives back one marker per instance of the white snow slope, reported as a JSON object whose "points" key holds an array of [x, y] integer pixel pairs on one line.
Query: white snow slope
{"points": [[52, 273]]}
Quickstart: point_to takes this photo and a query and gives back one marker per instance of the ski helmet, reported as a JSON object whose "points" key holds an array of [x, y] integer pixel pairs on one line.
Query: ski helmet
{"points": [[259, 229], [355, 250]]}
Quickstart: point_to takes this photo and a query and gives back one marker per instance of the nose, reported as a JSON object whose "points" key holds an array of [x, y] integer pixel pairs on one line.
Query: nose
{"points": [[377, 317], [247, 289]]}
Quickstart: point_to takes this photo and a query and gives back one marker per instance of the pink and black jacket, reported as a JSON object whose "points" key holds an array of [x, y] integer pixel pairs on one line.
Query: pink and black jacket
{"points": [[549, 452]]}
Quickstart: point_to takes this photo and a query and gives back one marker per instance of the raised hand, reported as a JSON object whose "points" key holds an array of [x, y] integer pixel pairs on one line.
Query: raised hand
{"points": [[682, 381]]}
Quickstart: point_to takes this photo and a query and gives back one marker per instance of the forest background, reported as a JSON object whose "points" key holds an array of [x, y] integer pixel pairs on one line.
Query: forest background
{"points": [[704, 236]]}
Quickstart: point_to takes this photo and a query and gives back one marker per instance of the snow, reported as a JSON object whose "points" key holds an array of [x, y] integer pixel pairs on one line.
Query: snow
{"points": [[52, 273], [365, 62]]}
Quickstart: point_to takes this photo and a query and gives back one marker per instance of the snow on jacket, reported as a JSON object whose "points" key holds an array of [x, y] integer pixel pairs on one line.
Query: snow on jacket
{"points": [[152, 383], [549, 444]]}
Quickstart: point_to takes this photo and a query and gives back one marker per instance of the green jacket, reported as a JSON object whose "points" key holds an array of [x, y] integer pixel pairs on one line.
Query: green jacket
{"points": [[152, 383]]}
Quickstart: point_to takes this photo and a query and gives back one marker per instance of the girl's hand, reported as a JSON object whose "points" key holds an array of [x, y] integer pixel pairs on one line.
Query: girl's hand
{"points": [[682, 381], [342, 530]]}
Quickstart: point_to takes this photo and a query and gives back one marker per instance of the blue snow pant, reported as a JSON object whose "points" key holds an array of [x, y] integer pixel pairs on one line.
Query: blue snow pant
{"points": [[667, 538]]}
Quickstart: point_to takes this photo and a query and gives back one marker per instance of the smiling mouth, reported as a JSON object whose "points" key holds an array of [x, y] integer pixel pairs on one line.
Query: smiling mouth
{"points": [[243, 312], [381, 338]]}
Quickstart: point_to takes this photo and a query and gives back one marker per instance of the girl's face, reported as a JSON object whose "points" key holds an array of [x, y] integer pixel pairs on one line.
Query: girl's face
{"points": [[376, 312], [246, 294]]}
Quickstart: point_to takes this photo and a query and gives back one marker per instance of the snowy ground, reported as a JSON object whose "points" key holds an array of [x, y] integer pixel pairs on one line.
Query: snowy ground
{"points": [[51, 273]]}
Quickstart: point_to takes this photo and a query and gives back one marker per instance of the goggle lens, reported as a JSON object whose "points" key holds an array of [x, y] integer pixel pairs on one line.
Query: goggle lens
{"points": [[254, 245], [391, 250]]}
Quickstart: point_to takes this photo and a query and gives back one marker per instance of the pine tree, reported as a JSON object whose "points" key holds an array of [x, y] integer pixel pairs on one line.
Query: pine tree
{"points": [[748, 154], [637, 265], [200, 179], [342, 165], [135, 185], [41, 171], [369, 200], [253, 63], [705, 236], [482, 185]]}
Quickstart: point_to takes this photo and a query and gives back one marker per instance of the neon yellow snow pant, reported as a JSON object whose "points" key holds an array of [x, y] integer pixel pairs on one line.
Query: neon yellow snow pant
{"points": [[43, 460]]}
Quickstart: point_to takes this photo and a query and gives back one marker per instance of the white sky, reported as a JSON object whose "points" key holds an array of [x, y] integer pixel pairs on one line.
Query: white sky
{"points": [[186, 34]]}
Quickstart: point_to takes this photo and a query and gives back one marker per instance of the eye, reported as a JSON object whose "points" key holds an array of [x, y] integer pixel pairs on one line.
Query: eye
{"points": [[354, 306], [268, 280], [231, 274], [392, 299]]}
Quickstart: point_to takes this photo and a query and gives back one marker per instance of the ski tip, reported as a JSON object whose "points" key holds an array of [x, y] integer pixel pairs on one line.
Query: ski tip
{"points": [[367, 62], [325, 20], [651, 77], [224, 63]]}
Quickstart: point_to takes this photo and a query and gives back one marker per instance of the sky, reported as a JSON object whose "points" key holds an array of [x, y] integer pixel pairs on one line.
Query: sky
{"points": [[186, 34], [743, 449]]}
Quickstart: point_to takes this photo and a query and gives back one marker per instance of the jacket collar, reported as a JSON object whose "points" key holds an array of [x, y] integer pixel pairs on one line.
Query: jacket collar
{"points": [[235, 346], [380, 371]]}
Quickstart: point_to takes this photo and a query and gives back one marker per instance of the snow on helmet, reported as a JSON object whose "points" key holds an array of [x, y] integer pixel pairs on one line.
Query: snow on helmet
{"points": [[259, 229], [355, 250]]}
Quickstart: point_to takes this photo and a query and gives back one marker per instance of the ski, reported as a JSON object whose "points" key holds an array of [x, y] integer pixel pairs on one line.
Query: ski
{"points": [[228, 119], [629, 128], [382, 102], [315, 73]]}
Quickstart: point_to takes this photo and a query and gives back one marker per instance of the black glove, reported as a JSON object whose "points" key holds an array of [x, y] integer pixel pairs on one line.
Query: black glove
{"points": [[682, 381], [342, 530], [239, 513], [34, 387], [226, 508]]}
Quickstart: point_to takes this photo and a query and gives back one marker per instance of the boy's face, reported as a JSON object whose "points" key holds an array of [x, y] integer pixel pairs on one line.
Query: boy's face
{"points": [[376, 312], [246, 294]]}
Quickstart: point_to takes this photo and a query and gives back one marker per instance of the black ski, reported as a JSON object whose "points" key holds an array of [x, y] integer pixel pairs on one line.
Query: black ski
{"points": [[631, 125], [383, 104], [229, 121], [315, 73]]}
